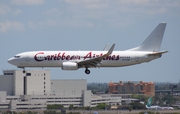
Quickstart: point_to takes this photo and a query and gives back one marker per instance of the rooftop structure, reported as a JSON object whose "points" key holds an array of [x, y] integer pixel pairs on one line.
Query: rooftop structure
{"points": [[146, 88]]}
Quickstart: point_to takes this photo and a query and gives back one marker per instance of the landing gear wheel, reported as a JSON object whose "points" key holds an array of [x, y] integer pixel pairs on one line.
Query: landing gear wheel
{"points": [[87, 71], [24, 71]]}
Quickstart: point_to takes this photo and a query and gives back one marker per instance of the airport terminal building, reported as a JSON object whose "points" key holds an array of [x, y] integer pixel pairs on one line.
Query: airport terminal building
{"points": [[35, 90]]}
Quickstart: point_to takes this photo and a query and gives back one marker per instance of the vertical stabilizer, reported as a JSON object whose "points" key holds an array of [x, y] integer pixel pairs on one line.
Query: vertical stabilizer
{"points": [[149, 102], [153, 41]]}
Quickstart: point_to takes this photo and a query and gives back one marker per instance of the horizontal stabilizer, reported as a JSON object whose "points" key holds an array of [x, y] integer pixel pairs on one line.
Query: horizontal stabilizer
{"points": [[157, 53]]}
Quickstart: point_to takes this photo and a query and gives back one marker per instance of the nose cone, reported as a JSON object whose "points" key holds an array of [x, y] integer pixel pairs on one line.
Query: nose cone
{"points": [[11, 61]]}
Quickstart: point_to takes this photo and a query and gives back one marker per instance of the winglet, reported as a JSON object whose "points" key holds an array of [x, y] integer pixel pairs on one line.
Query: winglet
{"points": [[95, 61], [106, 47], [111, 50]]}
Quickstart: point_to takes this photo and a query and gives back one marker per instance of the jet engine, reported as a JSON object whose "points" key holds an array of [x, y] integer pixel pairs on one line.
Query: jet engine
{"points": [[69, 66]]}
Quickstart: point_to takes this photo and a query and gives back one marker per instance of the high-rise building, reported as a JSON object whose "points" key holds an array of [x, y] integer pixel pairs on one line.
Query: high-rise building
{"points": [[146, 88], [33, 82]]}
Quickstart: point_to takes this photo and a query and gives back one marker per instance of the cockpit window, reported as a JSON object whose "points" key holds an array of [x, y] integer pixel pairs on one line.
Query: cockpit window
{"points": [[17, 56]]}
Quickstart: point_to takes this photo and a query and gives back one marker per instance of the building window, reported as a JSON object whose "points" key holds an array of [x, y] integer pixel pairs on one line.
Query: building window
{"points": [[44, 74], [28, 74], [44, 78], [44, 87], [44, 83], [8, 73]]}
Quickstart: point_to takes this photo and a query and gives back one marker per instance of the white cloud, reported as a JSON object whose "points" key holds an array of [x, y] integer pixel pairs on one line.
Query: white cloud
{"points": [[27, 2], [53, 11], [89, 4], [77, 23], [85, 9], [65, 23], [96, 6], [137, 2], [125, 6], [17, 12], [84, 1], [148, 6], [4, 9], [95, 13], [31, 24], [11, 25]]}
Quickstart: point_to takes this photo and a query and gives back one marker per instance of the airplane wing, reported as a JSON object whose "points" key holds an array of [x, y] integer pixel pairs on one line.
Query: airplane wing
{"points": [[95, 61], [157, 53]]}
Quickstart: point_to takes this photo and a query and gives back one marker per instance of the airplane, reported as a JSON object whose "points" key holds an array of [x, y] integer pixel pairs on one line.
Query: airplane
{"points": [[149, 106], [167, 108], [73, 60]]}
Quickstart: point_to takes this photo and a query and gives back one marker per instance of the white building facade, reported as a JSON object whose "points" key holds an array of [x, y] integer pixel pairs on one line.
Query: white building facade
{"points": [[35, 90], [33, 82], [67, 87]]}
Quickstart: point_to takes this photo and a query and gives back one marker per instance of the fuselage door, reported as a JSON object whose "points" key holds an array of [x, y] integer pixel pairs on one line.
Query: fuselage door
{"points": [[137, 58], [27, 59]]}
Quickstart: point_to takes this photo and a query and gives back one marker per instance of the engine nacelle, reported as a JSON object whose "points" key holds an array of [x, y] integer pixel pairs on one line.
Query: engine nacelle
{"points": [[69, 66]]}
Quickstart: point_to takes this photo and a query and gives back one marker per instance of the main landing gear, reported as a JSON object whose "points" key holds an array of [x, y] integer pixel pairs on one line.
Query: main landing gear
{"points": [[87, 71], [24, 71]]}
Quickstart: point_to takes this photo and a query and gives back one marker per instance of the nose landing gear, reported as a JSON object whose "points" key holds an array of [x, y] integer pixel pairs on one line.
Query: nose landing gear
{"points": [[87, 71]]}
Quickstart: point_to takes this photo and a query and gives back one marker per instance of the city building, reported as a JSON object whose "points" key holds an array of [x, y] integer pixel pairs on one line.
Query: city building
{"points": [[146, 88], [67, 87], [33, 82], [35, 90]]}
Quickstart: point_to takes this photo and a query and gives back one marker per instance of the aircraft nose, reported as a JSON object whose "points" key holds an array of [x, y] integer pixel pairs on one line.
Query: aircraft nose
{"points": [[11, 60]]}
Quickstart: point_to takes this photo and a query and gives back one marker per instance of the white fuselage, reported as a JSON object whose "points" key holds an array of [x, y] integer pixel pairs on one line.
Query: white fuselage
{"points": [[159, 108], [56, 58]]}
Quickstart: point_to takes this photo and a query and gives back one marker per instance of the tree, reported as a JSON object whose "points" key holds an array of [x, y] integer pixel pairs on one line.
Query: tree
{"points": [[50, 112], [87, 108], [71, 107], [55, 106], [130, 109], [30, 112], [137, 105], [169, 99], [101, 106], [140, 97]]}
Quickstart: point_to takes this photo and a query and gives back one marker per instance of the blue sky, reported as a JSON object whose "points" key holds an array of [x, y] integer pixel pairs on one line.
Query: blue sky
{"points": [[27, 25]]}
